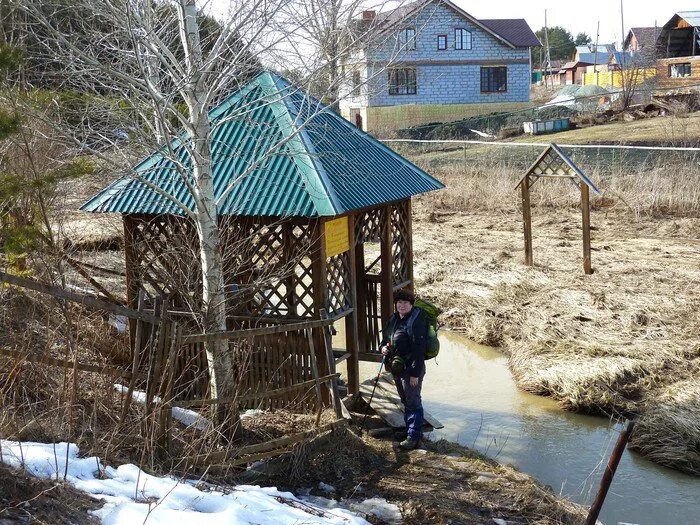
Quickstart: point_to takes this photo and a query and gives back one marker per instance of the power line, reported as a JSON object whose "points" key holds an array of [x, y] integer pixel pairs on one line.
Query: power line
{"points": [[543, 144]]}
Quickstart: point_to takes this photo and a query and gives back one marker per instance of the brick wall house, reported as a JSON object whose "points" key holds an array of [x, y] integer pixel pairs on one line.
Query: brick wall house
{"points": [[432, 53]]}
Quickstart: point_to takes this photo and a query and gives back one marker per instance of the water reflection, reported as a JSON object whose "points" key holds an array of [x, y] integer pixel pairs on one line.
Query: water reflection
{"points": [[472, 392]]}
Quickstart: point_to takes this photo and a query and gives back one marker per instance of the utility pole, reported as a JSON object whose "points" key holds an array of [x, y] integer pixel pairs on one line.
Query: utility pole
{"points": [[595, 54], [622, 21], [547, 56]]}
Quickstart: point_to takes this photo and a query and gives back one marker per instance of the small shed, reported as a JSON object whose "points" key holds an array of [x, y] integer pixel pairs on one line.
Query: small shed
{"points": [[553, 163], [320, 222]]}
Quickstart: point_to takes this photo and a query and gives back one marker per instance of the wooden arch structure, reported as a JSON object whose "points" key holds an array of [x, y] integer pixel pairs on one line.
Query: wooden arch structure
{"points": [[299, 236], [553, 163]]}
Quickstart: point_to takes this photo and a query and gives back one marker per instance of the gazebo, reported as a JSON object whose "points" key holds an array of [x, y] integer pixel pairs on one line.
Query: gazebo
{"points": [[322, 222]]}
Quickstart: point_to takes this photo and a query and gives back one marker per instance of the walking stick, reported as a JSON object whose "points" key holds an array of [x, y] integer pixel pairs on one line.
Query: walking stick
{"points": [[376, 381]]}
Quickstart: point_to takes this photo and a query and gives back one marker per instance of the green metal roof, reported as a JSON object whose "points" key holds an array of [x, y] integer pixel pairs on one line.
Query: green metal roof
{"points": [[285, 153]]}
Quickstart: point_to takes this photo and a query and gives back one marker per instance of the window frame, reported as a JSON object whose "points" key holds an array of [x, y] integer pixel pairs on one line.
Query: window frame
{"points": [[491, 81], [463, 31], [409, 44], [444, 38], [677, 66], [403, 81]]}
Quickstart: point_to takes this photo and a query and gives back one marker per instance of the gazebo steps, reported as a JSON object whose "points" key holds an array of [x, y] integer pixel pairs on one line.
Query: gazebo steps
{"points": [[388, 406]]}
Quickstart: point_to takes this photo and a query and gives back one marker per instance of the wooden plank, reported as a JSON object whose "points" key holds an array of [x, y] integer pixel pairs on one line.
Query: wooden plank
{"points": [[330, 364], [314, 371], [88, 301], [254, 332], [96, 285], [198, 403], [60, 363], [136, 359], [370, 357], [341, 358]]}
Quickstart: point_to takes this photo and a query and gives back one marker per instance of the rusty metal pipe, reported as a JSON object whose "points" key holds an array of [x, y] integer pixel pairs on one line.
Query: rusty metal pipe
{"points": [[609, 473]]}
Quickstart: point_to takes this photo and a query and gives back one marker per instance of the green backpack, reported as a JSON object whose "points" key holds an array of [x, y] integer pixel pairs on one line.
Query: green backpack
{"points": [[431, 312]]}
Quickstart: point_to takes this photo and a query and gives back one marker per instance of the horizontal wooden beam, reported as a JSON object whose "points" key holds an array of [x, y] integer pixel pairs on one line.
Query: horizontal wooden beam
{"points": [[253, 332], [370, 357], [270, 394], [52, 361], [88, 301]]}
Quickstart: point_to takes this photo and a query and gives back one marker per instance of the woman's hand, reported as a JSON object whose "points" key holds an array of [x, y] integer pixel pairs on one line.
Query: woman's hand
{"points": [[385, 350], [414, 382]]}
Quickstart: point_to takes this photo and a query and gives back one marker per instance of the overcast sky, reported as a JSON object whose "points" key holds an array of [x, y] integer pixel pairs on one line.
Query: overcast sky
{"points": [[576, 16]]}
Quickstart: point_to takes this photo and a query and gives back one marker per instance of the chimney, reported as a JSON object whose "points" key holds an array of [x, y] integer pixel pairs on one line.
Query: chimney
{"points": [[368, 16]]}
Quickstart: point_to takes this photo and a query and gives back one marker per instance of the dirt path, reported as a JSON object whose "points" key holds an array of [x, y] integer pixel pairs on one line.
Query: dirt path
{"points": [[625, 340], [439, 483]]}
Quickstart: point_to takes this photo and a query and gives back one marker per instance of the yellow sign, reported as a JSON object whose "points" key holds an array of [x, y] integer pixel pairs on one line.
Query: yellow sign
{"points": [[337, 237]]}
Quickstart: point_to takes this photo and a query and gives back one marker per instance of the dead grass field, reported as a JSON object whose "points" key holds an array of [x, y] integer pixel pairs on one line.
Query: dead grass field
{"points": [[625, 340], [682, 129]]}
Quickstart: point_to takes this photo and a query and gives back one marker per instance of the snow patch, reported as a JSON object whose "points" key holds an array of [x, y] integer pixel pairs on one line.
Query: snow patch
{"points": [[132, 496]]}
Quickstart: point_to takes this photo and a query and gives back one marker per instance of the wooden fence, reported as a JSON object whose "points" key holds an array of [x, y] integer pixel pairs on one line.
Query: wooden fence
{"points": [[278, 366]]}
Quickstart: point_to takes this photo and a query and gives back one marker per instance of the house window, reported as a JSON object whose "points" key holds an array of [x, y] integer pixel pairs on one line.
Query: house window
{"points": [[442, 42], [402, 81], [679, 70], [407, 38], [494, 79], [356, 83], [463, 39]]}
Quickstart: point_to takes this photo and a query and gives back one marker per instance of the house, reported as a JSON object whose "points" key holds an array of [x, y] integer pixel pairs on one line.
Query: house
{"points": [[641, 42], [678, 47], [431, 60], [585, 57]]}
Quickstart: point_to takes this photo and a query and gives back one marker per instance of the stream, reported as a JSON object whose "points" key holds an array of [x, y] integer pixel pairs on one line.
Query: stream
{"points": [[470, 389]]}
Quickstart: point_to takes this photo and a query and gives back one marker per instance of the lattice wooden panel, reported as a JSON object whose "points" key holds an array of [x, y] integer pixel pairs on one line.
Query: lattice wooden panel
{"points": [[166, 258], [368, 227], [338, 271], [551, 164], [269, 269], [399, 243]]}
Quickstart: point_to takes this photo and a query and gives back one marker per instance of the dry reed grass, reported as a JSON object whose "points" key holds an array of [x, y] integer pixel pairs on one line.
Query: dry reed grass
{"points": [[610, 343]]}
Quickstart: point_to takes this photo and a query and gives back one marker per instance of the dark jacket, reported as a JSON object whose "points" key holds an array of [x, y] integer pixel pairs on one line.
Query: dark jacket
{"points": [[411, 349]]}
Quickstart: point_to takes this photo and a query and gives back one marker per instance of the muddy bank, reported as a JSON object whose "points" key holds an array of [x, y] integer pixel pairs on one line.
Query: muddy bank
{"points": [[623, 341], [440, 483]]}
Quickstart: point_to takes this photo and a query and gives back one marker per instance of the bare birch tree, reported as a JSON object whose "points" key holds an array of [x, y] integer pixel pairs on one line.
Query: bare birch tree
{"points": [[157, 74]]}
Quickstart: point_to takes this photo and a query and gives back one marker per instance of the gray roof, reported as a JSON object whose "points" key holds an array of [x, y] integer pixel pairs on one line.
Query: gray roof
{"points": [[515, 30], [646, 36], [692, 17], [601, 56]]}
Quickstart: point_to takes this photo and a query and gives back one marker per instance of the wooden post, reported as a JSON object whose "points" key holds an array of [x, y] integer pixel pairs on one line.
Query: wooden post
{"points": [[314, 373], [319, 277], [361, 297], [387, 271], [609, 473], [527, 220], [586, 214], [351, 329], [409, 243], [165, 414], [132, 275], [330, 366]]}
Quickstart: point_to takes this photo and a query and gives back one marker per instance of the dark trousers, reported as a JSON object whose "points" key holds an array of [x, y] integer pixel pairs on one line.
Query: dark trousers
{"points": [[412, 403]]}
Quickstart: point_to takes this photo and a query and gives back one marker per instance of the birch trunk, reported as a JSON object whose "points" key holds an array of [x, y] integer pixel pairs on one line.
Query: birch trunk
{"points": [[219, 357]]}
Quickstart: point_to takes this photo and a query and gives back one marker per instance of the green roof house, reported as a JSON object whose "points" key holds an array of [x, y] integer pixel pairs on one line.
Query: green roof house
{"points": [[300, 191]]}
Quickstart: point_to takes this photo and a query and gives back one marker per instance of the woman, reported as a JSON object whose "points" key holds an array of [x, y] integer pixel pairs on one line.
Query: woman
{"points": [[403, 345]]}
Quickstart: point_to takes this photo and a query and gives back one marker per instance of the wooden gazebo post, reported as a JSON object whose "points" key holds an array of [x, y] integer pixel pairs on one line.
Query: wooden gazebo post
{"points": [[387, 276], [351, 321], [553, 163]]}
